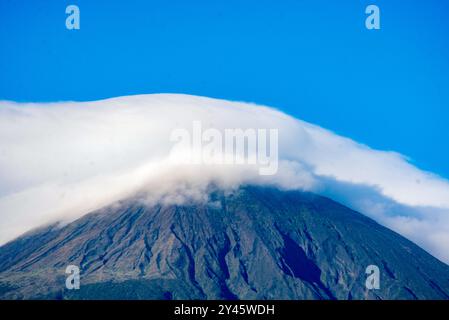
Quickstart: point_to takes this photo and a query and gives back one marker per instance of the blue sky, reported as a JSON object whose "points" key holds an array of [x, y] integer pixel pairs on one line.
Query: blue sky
{"points": [[313, 59]]}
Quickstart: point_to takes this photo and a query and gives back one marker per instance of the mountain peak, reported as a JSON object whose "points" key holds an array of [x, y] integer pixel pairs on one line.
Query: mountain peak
{"points": [[252, 243]]}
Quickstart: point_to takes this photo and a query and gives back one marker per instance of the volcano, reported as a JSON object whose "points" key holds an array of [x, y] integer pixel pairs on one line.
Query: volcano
{"points": [[249, 243]]}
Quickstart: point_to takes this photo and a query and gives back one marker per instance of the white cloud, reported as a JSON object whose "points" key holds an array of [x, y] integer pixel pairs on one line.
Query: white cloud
{"points": [[58, 161]]}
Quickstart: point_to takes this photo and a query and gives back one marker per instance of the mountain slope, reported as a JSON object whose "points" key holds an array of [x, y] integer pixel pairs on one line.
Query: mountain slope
{"points": [[253, 243]]}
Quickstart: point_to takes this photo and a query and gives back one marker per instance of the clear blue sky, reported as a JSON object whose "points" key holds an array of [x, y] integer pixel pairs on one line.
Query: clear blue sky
{"points": [[313, 59]]}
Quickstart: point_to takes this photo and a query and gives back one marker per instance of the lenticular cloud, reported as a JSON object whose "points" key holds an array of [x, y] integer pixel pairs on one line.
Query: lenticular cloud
{"points": [[59, 161]]}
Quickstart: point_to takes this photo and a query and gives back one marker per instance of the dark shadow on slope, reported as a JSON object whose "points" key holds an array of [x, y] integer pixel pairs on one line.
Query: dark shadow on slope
{"points": [[296, 263]]}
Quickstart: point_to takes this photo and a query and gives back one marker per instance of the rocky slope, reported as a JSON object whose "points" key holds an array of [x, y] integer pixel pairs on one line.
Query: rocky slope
{"points": [[253, 243]]}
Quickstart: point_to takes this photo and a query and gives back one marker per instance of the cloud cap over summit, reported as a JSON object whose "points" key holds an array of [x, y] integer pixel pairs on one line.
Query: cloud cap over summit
{"points": [[59, 161]]}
